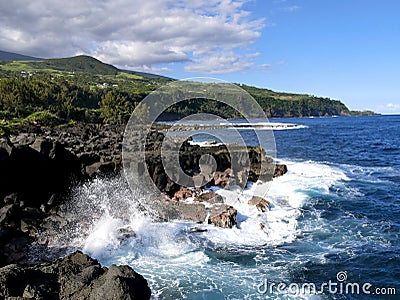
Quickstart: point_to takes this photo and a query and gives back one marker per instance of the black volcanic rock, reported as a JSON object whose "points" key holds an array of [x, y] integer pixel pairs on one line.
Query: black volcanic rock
{"points": [[38, 171], [77, 276], [223, 215]]}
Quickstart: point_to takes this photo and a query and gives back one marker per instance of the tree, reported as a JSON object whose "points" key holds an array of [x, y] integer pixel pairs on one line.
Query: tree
{"points": [[114, 108]]}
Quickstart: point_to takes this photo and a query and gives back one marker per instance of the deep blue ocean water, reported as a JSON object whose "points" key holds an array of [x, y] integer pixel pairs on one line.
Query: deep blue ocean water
{"points": [[337, 211], [363, 226]]}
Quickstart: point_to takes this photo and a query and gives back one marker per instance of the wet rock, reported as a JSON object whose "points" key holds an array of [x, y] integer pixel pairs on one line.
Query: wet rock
{"points": [[260, 203], [10, 215], [13, 246], [76, 276], [24, 138], [11, 199], [30, 226], [6, 148], [197, 229], [209, 197], [120, 282], [35, 172], [89, 158], [280, 169], [109, 167], [195, 212], [183, 194], [126, 233], [223, 215], [222, 179]]}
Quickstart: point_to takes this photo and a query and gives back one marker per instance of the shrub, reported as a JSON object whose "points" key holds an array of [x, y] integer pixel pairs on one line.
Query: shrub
{"points": [[44, 118]]}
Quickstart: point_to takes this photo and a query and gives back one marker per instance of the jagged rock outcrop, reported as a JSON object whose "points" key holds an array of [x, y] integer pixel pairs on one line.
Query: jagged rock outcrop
{"points": [[39, 165], [223, 179], [223, 215], [77, 276], [280, 170], [260, 203], [209, 197]]}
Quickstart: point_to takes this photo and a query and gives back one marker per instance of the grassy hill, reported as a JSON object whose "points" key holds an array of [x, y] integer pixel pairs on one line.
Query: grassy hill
{"points": [[4, 55], [82, 88], [83, 64], [77, 64]]}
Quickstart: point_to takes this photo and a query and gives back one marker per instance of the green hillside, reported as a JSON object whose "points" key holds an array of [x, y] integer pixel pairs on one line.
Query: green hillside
{"points": [[77, 64], [82, 88], [4, 55], [81, 63]]}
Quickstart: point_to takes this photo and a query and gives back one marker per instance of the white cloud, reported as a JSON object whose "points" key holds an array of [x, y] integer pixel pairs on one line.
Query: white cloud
{"points": [[221, 62], [134, 33], [389, 108]]}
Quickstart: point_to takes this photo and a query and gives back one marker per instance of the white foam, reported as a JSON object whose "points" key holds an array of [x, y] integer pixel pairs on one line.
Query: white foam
{"points": [[287, 194], [263, 125], [205, 144], [103, 236], [258, 125], [173, 259]]}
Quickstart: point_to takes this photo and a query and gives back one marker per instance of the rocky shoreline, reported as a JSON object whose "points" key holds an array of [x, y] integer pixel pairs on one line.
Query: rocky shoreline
{"points": [[38, 167], [76, 276]]}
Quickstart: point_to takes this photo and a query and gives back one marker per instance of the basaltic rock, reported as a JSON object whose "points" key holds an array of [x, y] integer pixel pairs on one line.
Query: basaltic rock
{"points": [[223, 215], [77, 276]]}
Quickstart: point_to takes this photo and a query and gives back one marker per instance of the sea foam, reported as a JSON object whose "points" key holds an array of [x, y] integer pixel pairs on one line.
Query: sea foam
{"points": [[178, 263]]}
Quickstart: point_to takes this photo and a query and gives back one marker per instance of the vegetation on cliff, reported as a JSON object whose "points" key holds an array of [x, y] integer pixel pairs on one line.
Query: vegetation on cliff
{"points": [[84, 89]]}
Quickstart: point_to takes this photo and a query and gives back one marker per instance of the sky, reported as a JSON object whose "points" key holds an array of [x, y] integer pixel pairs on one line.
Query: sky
{"points": [[342, 49]]}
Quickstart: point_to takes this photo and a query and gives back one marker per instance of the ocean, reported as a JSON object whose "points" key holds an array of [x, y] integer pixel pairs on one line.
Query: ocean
{"points": [[333, 231]]}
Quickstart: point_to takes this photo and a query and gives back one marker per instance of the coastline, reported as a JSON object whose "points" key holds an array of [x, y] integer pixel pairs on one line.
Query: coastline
{"points": [[51, 160]]}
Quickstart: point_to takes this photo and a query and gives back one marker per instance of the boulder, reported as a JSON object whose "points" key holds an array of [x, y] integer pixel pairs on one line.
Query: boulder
{"points": [[280, 169], [223, 215], [223, 179], [209, 197], [197, 230], [260, 203], [195, 212], [101, 167], [6, 148], [88, 158], [76, 276], [13, 246], [10, 215], [35, 172], [11, 198], [183, 194]]}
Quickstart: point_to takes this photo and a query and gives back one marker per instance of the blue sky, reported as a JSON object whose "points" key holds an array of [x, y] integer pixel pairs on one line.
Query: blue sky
{"points": [[342, 49]]}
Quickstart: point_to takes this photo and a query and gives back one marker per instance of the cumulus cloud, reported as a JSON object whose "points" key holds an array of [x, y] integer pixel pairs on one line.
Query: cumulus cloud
{"points": [[221, 62], [390, 108], [208, 36]]}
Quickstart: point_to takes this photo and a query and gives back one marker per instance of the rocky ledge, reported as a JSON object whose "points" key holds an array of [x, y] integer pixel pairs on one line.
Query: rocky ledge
{"points": [[76, 276], [38, 167]]}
